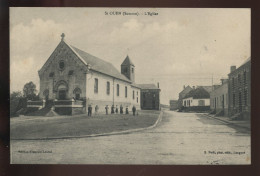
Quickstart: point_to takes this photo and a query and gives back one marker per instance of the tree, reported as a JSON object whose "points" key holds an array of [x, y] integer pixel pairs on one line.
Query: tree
{"points": [[15, 95], [29, 90], [15, 99]]}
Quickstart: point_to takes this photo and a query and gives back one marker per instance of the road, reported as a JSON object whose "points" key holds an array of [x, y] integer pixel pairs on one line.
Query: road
{"points": [[180, 138]]}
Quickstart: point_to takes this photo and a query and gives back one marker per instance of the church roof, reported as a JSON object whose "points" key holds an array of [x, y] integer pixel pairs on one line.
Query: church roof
{"points": [[99, 65], [148, 86], [127, 61]]}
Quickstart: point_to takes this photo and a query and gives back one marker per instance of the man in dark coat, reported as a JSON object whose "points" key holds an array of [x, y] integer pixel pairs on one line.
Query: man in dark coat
{"points": [[121, 109], [106, 109], [126, 110], [89, 110], [112, 109], [134, 109]]}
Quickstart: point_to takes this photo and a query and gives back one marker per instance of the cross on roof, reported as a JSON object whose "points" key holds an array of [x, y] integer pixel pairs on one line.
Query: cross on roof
{"points": [[62, 36]]}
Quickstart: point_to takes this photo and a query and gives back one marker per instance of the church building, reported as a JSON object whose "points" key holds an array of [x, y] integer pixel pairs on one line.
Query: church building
{"points": [[74, 79]]}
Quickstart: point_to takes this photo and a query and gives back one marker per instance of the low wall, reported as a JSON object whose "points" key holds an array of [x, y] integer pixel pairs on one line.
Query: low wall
{"points": [[197, 108], [35, 104], [32, 106], [69, 107]]}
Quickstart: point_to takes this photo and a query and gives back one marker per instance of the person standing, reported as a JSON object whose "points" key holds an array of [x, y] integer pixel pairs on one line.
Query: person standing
{"points": [[121, 109], [96, 109], [89, 110], [112, 109], [106, 109], [126, 110], [116, 109], [134, 109]]}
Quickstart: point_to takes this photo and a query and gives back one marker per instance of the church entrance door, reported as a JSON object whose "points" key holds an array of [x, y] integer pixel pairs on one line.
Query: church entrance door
{"points": [[62, 90], [62, 94]]}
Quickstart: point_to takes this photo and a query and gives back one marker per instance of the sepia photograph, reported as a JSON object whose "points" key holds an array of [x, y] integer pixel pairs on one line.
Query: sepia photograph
{"points": [[130, 86]]}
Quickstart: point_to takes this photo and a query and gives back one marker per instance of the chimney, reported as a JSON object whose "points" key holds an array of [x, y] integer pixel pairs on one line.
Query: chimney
{"points": [[158, 85], [232, 68], [184, 87]]}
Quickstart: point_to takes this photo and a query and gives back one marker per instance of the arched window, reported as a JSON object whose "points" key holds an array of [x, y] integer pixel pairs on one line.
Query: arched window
{"points": [[61, 65], [108, 88], [51, 75], [77, 92], [126, 91], [117, 89]]}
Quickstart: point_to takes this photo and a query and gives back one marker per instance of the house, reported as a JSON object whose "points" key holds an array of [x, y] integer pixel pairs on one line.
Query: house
{"points": [[74, 79], [173, 105], [239, 90], [182, 94], [150, 96], [198, 99], [219, 98]]}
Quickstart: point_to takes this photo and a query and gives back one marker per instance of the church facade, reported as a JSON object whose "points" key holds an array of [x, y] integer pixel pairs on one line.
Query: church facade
{"points": [[74, 79]]}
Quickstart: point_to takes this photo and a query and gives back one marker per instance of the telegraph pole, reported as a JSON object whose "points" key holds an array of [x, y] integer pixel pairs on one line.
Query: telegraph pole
{"points": [[212, 81]]}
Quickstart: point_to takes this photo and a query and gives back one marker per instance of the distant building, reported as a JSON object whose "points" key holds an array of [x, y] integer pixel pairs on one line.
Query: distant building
{"points": [[173, 104], [150, 96], [219, 98], [182, 94], [239, 90], [197, 100]]}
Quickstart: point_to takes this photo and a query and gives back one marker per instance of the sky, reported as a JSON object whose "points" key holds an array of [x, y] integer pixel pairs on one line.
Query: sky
{"points": [[176, 47]]}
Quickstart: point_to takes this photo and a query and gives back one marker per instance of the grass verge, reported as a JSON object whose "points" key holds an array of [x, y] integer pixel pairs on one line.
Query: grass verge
{"points": [[80, 125]]}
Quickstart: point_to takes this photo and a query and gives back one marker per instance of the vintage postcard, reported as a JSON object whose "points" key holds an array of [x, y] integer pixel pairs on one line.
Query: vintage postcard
{"points": [[153, 86]]}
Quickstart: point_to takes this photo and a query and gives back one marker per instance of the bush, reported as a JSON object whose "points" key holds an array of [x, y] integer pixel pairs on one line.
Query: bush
{"points": [[16, 102]]}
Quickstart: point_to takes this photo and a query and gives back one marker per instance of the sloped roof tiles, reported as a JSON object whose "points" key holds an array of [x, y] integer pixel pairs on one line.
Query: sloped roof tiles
{"points": [[127, 61], [147, 86], [99, 65]]}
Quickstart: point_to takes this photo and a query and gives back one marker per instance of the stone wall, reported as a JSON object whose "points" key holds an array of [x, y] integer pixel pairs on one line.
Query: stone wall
{"points": [[72, 75], [239, 89]]}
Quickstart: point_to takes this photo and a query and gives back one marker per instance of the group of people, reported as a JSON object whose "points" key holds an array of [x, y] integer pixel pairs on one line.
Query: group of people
{"points": [[113, 109]]}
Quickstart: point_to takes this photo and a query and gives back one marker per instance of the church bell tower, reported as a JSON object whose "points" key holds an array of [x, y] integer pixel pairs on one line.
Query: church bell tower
{"points": [[128, 69]]}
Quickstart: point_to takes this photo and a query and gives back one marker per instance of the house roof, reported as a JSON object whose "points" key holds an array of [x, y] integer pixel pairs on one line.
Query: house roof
{"points": [[147, 86], [127, 61], [135, 85], [198, 93], [99, 65], [186, 90], [207, 88]]}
